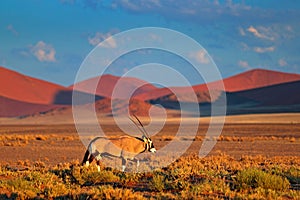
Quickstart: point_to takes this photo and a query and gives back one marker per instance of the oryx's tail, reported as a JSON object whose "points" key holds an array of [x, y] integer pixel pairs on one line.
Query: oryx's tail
{"points": [[86, 156], [90, 150]]}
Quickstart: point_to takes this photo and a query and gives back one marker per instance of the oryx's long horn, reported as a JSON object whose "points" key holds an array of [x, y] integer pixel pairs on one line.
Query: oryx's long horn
{"points": [[146, 133], [142, 130]]}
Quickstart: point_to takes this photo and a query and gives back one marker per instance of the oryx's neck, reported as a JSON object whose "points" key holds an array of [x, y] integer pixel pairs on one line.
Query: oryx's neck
{"points": [[147, 146]]}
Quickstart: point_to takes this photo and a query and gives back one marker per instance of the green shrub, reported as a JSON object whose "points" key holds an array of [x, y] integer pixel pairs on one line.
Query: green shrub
{"points": [[34, 184], [90, 176], [293, 175], [108, 192], [158, 182], [168, 180], [255, 178], [129, 178], [22, 187]]}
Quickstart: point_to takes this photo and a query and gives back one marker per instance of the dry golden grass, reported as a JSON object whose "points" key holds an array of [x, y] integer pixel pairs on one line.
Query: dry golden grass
{"points": [[215, 177], [23, 140]]}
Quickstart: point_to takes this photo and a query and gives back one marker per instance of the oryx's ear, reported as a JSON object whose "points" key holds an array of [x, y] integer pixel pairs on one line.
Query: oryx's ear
{"points": [[145, 138]]}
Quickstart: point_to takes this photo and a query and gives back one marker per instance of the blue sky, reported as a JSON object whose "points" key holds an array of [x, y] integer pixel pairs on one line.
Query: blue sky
{"points": [[50, 39]]}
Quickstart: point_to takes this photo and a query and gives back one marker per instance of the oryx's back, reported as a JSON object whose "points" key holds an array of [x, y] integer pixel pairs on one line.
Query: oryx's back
{"points": [[115, 146], [129, 144]]}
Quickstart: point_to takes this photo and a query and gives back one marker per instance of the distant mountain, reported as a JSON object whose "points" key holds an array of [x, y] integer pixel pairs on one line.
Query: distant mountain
{"points": [[106, 84], [253, 91]]}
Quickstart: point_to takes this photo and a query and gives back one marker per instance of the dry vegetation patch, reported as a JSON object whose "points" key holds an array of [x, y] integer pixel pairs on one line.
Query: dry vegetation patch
{"points": [[216, 177], [25, 139]]}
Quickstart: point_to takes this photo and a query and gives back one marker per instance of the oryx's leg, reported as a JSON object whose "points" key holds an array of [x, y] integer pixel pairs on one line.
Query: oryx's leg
{"points": [[91, 158], [98, 159], [137, 165], [87, 163], [85, 159], [123, 164]]}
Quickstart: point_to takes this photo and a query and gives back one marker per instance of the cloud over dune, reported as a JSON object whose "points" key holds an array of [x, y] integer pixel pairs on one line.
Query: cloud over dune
{"points": [[282, 62], [263, 32], [43, 52], [200, 56], [105, 39], [244, 64]]}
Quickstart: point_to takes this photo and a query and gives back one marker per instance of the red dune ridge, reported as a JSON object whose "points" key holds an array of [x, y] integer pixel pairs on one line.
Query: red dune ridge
{"points": [[20, 87], [257, 78]]}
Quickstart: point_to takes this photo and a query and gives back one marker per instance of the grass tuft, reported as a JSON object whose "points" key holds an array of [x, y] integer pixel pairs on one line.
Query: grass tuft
{"points": [[256, 178]]}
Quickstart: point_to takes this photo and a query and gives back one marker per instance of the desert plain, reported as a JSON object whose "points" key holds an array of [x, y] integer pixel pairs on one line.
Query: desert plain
{"points": [[43, 160], [242, 135]]}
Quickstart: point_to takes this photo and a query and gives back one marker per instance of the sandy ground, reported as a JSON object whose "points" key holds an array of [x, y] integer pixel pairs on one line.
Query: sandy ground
{"points": [[268, 135]]}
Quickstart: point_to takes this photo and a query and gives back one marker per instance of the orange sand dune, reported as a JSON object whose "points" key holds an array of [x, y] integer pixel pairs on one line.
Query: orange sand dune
{"points": [[19, 87], [257, 78]]}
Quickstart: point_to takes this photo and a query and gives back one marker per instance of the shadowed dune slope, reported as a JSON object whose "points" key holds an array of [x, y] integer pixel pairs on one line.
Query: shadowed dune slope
{"points": [[14, 108], [252, 79], [280, 94]]}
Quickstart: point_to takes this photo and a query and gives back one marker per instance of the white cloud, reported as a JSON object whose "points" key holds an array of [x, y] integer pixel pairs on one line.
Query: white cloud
{"points": [[282, 62], [12, 30], [104, 40], [255, 32], [244, 64], [200, 56], [263, 32], [264, 49], [43, 52]]}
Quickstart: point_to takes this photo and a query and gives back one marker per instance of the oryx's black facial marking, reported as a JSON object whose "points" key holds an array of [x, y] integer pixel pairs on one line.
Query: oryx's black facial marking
{"points": [[151, 146]]}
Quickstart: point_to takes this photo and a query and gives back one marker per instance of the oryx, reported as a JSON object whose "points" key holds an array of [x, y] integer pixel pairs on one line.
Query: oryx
{"points": [[125, 147]]}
